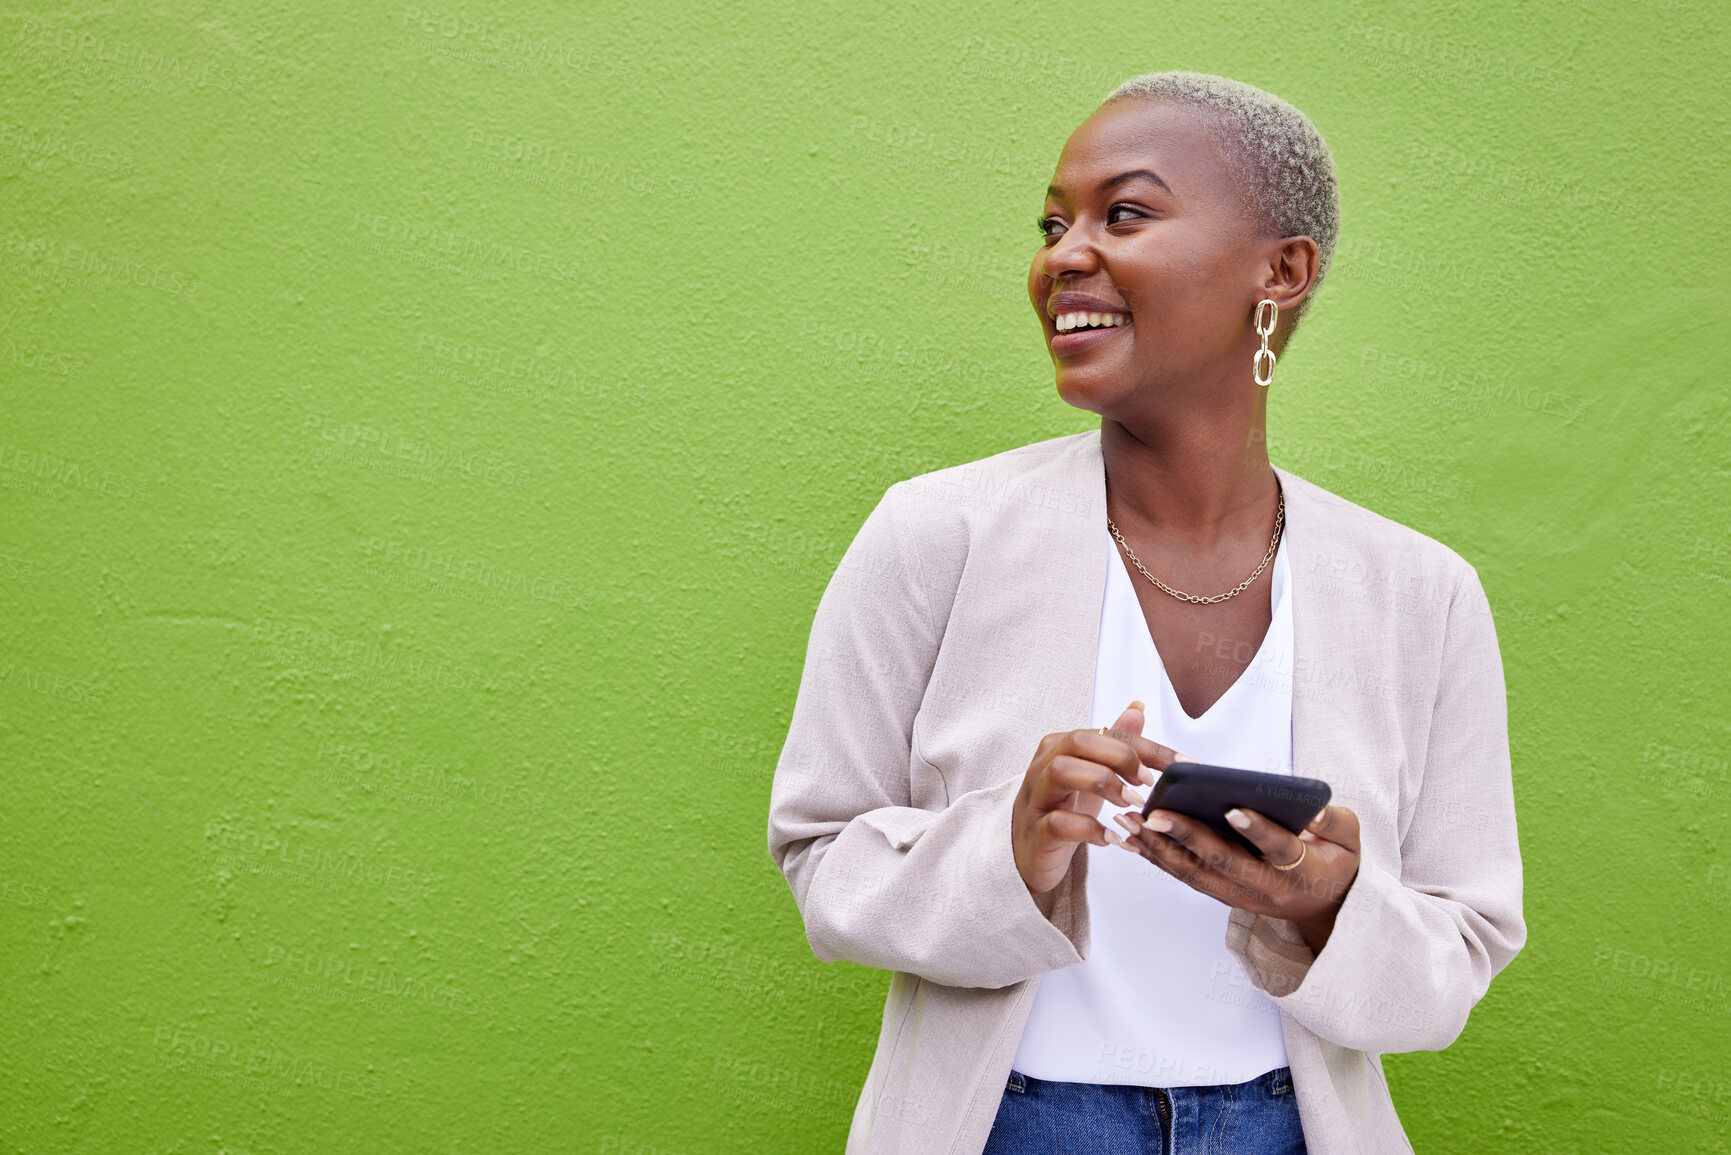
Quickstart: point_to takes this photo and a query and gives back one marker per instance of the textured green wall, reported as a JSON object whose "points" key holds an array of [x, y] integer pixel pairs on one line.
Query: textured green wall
{"points": [[427, 433]]}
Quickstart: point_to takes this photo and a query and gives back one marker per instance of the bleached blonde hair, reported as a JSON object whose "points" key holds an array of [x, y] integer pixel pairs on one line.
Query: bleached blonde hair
{"points": [[1286, 171]]}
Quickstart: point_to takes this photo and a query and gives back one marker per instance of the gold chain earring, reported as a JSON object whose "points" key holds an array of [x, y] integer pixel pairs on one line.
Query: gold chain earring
{"points": [[1257, 374]]}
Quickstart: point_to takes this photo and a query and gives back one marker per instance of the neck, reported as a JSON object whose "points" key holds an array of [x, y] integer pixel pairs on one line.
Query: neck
{"points": [[1193, 478]]}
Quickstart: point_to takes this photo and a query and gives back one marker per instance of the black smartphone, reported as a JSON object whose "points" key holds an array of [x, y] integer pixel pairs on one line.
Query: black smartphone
{"points": [[1206, 793]]}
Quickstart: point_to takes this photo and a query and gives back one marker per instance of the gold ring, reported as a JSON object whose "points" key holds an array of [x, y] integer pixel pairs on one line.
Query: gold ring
{"points": [[1102, 729], [1290, 865]]}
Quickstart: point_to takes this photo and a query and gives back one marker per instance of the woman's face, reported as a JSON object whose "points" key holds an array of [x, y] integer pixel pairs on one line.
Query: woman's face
{"points": [[1145, 227]]}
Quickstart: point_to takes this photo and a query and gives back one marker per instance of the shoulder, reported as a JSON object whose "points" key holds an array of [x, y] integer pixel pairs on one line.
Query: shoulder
{"points": [[1356, 547], [930, 525], [1023, 458], [1049, 475]]}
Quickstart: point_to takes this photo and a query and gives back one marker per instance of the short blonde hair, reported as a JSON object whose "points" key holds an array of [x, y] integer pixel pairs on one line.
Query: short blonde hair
{"points": [[1286, 168]]}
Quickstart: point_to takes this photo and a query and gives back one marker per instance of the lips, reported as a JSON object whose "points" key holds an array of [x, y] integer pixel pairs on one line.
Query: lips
{"points": [[1077, 321], [1069, 344]]}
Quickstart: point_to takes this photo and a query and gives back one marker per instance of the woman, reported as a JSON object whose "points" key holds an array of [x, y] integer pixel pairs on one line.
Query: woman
{"points": [[1162, 990]]}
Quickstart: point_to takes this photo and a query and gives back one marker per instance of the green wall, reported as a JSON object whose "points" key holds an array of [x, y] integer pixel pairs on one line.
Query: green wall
{"points": [[427, 433]]}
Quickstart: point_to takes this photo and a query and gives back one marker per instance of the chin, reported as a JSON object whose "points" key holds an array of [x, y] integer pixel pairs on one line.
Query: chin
{"points": [[1090, 391]]}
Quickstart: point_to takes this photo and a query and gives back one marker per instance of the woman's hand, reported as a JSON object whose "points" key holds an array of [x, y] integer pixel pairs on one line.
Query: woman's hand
{"points": [[1309, 894], [1073, 773]]}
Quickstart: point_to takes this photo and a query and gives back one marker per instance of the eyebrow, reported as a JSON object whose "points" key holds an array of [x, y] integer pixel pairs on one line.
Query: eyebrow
{"points": [[1114, 182]]}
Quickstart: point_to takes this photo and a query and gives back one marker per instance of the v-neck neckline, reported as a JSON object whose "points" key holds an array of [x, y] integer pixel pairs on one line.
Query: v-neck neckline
{"points": [[1121, 570]]}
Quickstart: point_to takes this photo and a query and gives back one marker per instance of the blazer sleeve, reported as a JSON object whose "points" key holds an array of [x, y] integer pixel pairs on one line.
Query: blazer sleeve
{"points": [[1411, 953], [879, 881]]}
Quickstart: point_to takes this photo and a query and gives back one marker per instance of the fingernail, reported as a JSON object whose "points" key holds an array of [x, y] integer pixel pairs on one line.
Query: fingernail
{"points": [[1113, 840], [1161, 824], [1128, 822], [1137, 705], [1239, 819], [1135, 800], [1145, 775]]}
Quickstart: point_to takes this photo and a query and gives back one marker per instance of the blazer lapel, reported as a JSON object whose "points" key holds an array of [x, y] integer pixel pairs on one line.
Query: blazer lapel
{"points": [[1325, 697], [1076, 583]]}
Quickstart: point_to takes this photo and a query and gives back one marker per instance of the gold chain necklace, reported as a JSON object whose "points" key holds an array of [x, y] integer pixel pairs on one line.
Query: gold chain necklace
{"points": [[1196, 599]]}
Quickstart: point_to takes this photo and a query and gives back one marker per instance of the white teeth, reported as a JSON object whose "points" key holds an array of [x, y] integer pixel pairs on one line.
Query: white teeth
{"points": [[1068, 321]]}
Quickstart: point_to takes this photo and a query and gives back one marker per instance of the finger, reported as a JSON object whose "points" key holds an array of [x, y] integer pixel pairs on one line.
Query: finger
{"points": [[1069, 826], [1141, 760], [1153, 754], [1157, 847], [1219, 855], [1337, 824], [1181, 863], [1083, 802], [1278, 844], [1112, 751], [1067, 773], [1128, 729]]}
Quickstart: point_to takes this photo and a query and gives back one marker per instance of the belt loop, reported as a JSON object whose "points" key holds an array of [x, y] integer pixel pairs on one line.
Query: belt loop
{"points": [[1017, 1083]]}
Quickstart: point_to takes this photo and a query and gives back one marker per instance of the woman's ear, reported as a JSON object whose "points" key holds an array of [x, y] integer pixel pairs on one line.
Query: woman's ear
{"points": [[1292, 269]]}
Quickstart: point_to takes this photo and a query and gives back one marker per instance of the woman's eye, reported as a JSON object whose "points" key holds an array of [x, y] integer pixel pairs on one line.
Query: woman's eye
{"points": [[1112, 213], [1046, 225]]}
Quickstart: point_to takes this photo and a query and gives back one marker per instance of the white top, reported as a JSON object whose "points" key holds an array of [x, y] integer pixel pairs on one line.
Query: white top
{"points": [[1160, 1001]]}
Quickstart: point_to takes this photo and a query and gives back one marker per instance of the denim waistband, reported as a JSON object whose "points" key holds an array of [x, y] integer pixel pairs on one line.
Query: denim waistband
{"points": [[1271, 1083], [1042, 1115]]}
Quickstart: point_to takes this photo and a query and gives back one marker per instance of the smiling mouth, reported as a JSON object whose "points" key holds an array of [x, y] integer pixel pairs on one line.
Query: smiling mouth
{"points": [[1074, 332], [1072, 322]]}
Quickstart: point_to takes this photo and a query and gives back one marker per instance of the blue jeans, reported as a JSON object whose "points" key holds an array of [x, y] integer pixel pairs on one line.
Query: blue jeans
{"points": [[1255, 1118]]}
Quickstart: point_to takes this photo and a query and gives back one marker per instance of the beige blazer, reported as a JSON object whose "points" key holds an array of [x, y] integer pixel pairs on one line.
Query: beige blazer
{"points": [[961, 626]]}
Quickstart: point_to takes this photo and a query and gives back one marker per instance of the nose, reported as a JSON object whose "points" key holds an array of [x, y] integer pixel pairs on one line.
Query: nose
{"points": [[1071, 253]]}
